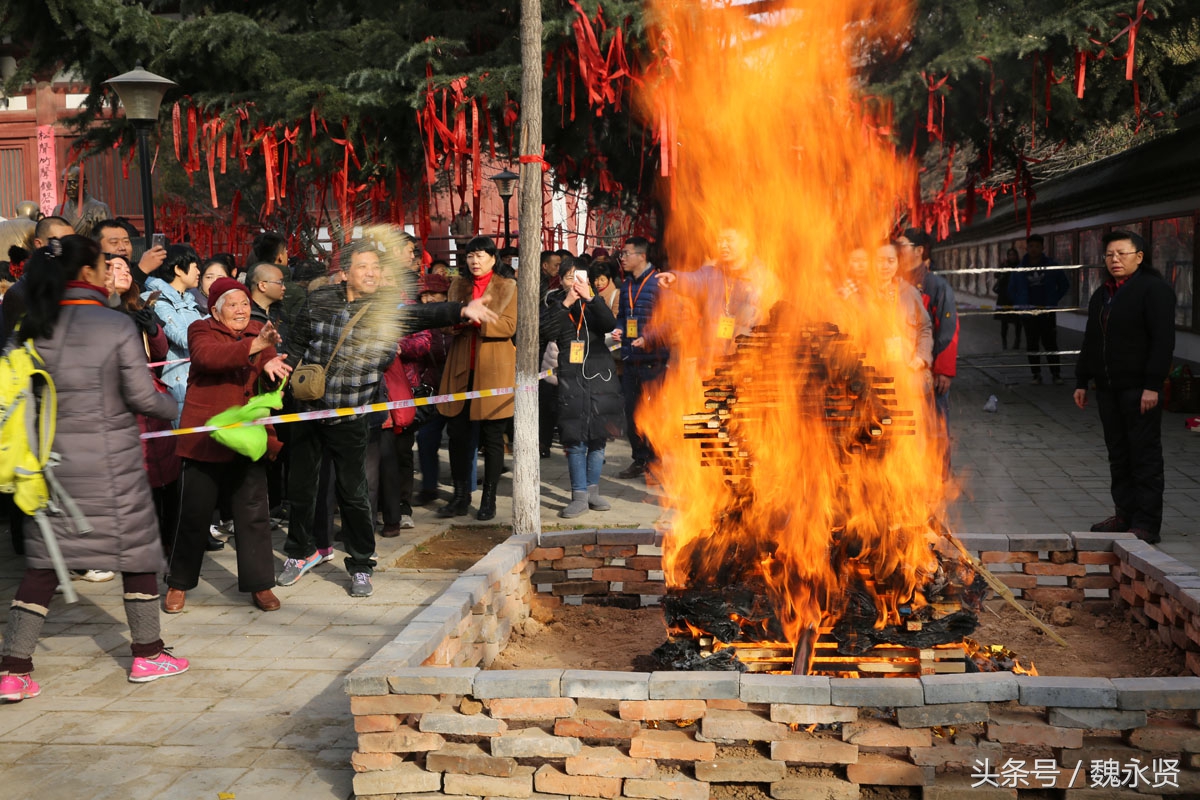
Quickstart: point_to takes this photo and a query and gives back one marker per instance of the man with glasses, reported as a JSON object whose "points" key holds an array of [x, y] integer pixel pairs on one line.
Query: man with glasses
{"points": [[1127, 349], [643, 362], [267, 288], [916, 268]]}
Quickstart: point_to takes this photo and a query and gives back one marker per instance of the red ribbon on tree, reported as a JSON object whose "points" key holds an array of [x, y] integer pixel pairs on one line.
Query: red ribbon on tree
{"points": [[1135, 21], [933, 86]]}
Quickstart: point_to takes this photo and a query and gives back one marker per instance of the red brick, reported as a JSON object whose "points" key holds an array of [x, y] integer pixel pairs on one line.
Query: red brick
{"points": [[874, 769], [610, 550], [1193, 663], [662, 709], [1092, 557], [401, 740], [644, 587], [1062, 556], [393, 704], [741, 726], [1030, 729], [793, 714], [1129, 596], [1140, 589], [1007, 556], [1042, 568], [963, 756], [469, 759], [885, 734], [543, 604], [671, 746], [1092, 582], [741, 770], [1154, 612], [519, 785], [805, 748], [644, 562], [590, 724], [372, 762], [578, 562], [1054, 595], [552, 780], [532, 708], [618, 574], [546, 554], [1166, 736], [580, 587], [609, 762], [675, 788], [376, 723], [1015, 580], [727, 705]]}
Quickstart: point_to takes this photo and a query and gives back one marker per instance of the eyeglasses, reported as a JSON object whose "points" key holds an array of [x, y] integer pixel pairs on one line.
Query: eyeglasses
{"points": [[277, 283], [623, 254], [1120, 254]]}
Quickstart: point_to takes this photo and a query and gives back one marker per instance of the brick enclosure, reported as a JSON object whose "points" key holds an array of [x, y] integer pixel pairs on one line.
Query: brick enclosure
{"points": [[430, 722]]}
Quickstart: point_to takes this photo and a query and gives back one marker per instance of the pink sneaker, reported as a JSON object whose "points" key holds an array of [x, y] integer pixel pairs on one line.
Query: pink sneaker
{"points": [[163, 665], [16, 688]]}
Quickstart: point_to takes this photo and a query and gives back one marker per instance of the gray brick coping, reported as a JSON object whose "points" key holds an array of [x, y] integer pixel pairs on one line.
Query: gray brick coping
{"points": [[625, 536], [1099, 542], [805, 690], [1146, 694], [494, 684], [980, 542], [875, 692], [1067, 691], [604, 685], [567, 538], [1045, 541], [990, 687], [433, 680], [695, 685]]}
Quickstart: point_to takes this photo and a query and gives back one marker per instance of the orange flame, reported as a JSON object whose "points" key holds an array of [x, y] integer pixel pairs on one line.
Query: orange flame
{"points": [[826, 466]]}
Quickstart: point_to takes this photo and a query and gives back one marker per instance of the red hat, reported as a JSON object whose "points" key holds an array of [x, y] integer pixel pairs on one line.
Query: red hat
{"points": [[222, 285], [434, 283]]}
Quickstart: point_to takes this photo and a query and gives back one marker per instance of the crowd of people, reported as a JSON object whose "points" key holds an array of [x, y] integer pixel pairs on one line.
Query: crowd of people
{"points": [[173, 339]]}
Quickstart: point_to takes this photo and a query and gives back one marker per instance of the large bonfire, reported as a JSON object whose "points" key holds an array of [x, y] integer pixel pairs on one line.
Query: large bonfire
{"points": [[799, 451]]}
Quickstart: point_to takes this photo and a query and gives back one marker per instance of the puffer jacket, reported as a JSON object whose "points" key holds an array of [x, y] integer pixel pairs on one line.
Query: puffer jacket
{"points": [[1130, 334], [176, 312], [98, 363], [589, 395]]}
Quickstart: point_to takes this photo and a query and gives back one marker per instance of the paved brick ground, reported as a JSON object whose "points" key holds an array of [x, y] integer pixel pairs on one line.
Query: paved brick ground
{"points": [[261, 714]]}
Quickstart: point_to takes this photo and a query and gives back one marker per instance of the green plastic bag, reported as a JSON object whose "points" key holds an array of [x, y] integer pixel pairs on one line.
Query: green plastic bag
{"points": [[251, 440]]}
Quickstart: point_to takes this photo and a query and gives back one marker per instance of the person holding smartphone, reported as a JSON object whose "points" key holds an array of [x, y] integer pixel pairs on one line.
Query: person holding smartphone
{"points": [[176, 309], [590, 408]]}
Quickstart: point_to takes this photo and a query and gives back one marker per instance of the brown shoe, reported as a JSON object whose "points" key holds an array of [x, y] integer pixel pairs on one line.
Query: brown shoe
{"points": [[391, 530], [173, 602], [266, 600]]}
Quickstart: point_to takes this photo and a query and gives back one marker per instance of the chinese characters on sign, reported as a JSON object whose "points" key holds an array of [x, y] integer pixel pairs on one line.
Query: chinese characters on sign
{"points": [[47, 195], [1099, 774]]}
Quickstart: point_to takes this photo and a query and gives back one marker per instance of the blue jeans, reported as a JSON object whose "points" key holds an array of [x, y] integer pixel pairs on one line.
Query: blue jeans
{"points": [[584, 462]]}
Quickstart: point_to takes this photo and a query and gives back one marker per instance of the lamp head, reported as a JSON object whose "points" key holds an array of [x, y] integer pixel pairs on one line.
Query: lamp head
{"points": [[141, 93], [506, 183]]}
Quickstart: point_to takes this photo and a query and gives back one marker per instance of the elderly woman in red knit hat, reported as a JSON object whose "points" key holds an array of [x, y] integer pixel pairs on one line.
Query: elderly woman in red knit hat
{"points": [[231, 354]]}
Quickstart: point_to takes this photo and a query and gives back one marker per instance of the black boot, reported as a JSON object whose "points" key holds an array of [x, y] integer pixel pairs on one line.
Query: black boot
{"points": [[487, 503], [459, 504]]}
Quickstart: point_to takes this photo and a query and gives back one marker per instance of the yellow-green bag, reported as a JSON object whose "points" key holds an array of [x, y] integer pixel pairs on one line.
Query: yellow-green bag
{"points": [[248, 440]]}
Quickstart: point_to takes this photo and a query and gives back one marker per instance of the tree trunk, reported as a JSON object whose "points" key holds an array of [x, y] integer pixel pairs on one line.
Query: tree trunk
{"points": [[526, 517]]}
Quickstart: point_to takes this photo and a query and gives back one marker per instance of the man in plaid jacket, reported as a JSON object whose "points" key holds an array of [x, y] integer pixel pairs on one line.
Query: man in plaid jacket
{"points": [[352, 378]]}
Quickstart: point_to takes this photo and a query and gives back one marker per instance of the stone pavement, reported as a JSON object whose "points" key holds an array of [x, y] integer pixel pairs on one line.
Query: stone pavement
{"points": [[261, 713]]}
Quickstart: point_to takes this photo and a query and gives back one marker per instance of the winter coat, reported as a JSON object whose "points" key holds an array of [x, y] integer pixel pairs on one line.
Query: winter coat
{"points": [[1040, 288], [1130, 334], [176, 312], [223, 375], [938, 298], [98, 363], [403, 376], [158, 454], [639, 298], [495, 355], [589, 395]]}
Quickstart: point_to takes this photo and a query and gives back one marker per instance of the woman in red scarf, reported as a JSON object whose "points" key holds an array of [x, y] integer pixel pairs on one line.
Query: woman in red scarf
{"points": [[481, 357]]}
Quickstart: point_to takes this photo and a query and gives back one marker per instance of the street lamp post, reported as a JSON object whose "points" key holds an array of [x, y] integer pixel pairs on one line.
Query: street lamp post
{"points": [[141, 93], [506, 183]]}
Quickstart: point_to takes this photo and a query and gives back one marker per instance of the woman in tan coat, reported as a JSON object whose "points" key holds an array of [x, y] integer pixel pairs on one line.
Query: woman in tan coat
{"points": [[481, 357]]}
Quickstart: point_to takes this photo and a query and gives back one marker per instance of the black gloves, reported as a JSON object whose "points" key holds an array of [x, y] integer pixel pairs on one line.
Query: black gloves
{"points": [[146, 321]]}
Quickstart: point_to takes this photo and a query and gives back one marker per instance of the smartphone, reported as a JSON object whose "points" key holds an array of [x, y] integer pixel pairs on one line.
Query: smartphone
{"points": [[152, 298], [158, 240]]}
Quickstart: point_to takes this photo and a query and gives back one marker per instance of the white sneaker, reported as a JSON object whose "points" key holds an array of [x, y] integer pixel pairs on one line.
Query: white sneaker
{"points": [[93, 575], [406, 521]]}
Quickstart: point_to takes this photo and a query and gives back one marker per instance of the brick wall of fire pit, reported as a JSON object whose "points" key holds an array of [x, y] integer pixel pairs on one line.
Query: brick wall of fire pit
{"points": [[429, 720]]}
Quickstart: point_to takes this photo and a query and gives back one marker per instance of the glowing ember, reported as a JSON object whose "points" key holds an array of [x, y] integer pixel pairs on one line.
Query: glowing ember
{"points": [[795, 433]]}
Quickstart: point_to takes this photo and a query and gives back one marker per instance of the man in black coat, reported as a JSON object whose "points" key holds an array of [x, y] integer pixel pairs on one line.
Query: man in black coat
{"points": [[1127, 349]]}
